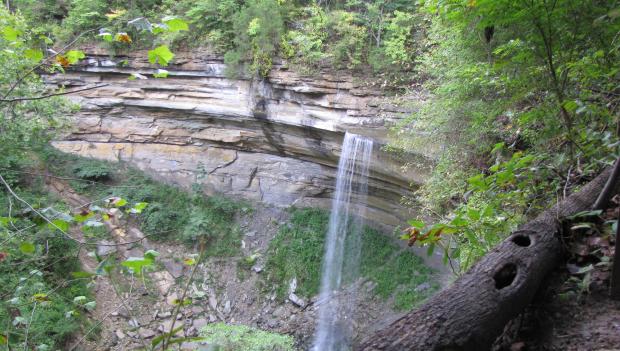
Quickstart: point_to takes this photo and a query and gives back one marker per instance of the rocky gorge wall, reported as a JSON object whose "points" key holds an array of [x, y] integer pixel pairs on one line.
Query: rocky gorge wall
{"points": [[275, 140]]}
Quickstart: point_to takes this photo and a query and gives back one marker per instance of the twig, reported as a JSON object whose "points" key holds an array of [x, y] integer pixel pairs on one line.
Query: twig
{"points": [[166, 340], [100, 322], [129, 311], [34, 308], [8, 187], [53, 94], [21, 79]]}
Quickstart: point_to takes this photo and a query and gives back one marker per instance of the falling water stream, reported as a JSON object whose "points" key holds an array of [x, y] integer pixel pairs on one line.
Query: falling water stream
{"points": [[342, 248]]}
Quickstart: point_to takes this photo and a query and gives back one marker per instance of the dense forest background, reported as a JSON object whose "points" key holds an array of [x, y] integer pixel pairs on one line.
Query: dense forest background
{"points": [[518, 101]]}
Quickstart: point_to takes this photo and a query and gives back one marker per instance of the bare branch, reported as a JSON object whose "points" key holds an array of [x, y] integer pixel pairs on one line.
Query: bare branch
{"points": [[32, 98]]}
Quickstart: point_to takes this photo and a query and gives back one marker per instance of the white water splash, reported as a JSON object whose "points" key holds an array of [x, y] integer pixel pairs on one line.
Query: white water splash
{"points": [[342, 246]]}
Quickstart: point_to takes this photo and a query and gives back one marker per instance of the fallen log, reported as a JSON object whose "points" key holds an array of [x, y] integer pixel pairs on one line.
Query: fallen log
{"points": [[471, 313]]}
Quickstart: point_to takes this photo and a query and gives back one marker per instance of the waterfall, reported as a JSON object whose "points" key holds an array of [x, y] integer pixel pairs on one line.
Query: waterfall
{"points": [[342, 246]]}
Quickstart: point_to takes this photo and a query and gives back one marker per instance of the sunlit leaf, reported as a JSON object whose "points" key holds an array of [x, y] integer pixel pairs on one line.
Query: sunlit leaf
{"points": [[81, 274], [73, 56], [175, 24], [160, 73], [138, 207], [106, 36], [10, 33], [34, 55], [190, 261], [151, 254], [161, 55], [123, 37], [59, 224], [40, 297], [83, 216], [416, 223]]}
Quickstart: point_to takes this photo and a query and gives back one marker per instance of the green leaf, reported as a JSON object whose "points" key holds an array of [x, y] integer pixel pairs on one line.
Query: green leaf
{"points": [[161, 55], [74, 56], [81, 274], [27, 248], [416, 223], [4, 221], [175, 24], [138, 207], [82, 218], [79, 300], [160, 73], [10, 33], [35, 55], [106, 36], [136, 264], [431, 249], [473, 214], [3, 339], [151, 254], [40, 297], [478, 182], [459, 222], [59, 224], [498, 147]]}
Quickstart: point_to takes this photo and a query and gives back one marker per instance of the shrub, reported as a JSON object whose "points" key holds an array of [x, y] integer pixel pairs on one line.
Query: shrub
{"points": [[92, 170], [258, 27]]}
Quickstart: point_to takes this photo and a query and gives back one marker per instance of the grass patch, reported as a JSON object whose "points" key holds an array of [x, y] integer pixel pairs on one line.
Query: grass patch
{"points": [[171, 214], [243, 338], [297, 251]]}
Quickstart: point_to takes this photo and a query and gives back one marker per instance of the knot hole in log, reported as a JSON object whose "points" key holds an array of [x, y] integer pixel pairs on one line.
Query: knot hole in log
{"points": [[522, 240], [505, 276]]}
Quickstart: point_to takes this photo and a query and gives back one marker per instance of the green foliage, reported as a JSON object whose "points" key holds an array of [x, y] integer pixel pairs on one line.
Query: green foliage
{"points": [[165, 212], [347, 39], [92, 170], [297, 251], [258, 26], [508, 101], [243, 338], [31, 273], [298, 248]]}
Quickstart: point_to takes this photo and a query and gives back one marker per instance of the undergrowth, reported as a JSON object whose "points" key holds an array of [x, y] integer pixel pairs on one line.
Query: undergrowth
{"points": [[297, 252], [37, 301], [172, 213]]}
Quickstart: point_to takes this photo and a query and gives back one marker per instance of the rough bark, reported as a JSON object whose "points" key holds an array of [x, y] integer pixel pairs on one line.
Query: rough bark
{"points": [[471, 313]]}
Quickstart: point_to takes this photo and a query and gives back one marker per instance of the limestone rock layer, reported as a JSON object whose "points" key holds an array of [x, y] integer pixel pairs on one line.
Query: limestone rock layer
{"points": [[275, 140]]}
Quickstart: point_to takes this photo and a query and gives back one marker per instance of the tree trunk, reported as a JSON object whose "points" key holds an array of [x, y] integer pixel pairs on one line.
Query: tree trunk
{"points": [[471, 313]]}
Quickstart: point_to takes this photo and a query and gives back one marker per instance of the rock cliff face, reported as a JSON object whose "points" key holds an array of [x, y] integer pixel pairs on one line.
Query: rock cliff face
{"points": [[276, 140]]}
